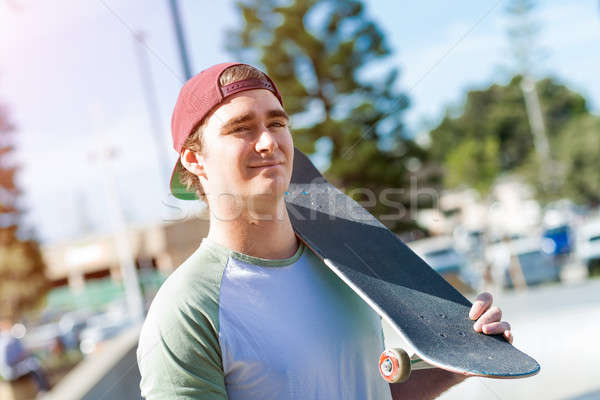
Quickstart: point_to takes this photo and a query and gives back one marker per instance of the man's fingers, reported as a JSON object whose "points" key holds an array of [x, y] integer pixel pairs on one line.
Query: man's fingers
{"points": [[482, 302], [492, 315], [496, 328], [508, 336], [488, 318]]}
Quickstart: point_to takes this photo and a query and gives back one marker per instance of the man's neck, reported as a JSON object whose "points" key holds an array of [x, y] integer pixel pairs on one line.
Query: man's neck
{"points": [[267, 233]]}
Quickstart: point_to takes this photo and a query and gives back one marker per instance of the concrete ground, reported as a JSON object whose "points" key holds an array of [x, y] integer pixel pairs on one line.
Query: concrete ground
{"points": [[557, 325], [110, 373]]}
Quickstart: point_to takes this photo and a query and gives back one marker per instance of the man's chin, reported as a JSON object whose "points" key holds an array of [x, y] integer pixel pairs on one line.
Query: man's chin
{"points": [[270, 187], [271, 193], [268, 195]]}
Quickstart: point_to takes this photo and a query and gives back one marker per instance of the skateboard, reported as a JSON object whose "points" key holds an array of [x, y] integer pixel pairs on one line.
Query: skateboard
{"points": [[428, 313]]}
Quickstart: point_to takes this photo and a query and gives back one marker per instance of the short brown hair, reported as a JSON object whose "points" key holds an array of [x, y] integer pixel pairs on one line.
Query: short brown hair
{"points": [[194, 141]]}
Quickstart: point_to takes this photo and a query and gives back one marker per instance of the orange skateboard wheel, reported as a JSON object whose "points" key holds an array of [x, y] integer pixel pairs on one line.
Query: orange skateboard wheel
{"points": [[394, 365]]}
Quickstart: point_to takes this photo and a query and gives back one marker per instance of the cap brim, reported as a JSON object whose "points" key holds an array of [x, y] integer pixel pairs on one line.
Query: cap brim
{"points": [[177, 188]]}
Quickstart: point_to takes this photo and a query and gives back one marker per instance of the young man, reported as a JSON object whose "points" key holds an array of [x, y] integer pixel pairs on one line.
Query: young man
{"points": [[252, 313]]}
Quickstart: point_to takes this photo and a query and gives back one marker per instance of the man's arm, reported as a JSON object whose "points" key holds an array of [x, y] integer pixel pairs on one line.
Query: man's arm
{"points": [[179, 357], [425, 384], [179, 354]]}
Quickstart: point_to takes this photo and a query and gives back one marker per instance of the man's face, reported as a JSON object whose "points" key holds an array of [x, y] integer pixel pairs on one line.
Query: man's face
{"points": [[247, 147]]}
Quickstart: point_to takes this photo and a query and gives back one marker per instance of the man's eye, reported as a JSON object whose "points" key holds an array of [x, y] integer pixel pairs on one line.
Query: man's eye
{"points": [[240, 129], [277, 124]]}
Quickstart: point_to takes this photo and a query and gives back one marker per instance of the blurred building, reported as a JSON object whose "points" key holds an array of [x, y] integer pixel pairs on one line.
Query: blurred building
{"points": [[509, 210], [162, 247]]}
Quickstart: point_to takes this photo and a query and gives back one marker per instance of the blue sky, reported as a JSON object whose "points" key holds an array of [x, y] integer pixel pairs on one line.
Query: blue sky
{"points": [[70, 76]]}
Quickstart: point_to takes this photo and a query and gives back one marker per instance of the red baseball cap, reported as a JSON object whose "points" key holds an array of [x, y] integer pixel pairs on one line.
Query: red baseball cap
{"points": [[197, 98]]}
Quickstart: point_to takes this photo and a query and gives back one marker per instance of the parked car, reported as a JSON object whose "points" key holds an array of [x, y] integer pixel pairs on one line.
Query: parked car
{"points": [[468, 242], [441, 255], [534, 256], [65, 332], [71, 325], [588, 245], [104, 326], [42, 338]]}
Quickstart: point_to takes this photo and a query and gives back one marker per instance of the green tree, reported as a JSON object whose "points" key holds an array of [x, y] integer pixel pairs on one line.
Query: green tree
{"points": [[492, 135], [578, 150], [326, 59], [23, 283], [473, 161]]}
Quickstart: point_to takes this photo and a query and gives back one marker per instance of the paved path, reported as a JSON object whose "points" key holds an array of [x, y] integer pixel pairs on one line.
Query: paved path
{"points": [[111, 373]]}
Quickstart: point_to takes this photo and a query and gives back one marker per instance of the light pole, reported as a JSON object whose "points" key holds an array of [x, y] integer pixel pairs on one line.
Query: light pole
{"points": [[103, 156], [538, 128], [152, 107], [522, 35], [185, 62]]}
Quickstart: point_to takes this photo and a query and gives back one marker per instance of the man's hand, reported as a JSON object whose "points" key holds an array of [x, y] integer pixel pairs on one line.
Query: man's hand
{"points": [[488, 318], [430, 383]]}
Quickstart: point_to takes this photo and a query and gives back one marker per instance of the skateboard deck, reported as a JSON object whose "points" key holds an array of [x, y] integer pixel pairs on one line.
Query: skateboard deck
{"points": [[426, 311]]}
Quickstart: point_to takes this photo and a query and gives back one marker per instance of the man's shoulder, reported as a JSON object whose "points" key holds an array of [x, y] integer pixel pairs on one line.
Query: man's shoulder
{"points": [[188, 300], [199, 274], [192, 289]]}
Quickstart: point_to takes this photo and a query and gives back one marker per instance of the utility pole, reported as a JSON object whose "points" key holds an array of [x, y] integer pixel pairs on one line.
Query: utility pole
{"points": [[522, 36], [536, 119], [185, 63], [103, 155], [152, 107]]}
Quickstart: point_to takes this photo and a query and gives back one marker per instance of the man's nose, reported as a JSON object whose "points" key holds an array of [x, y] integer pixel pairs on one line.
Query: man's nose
{"points": [[266, 141]]}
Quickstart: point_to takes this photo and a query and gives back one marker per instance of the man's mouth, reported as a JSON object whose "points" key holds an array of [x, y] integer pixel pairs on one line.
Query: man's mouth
{"points": [[267, 164]]}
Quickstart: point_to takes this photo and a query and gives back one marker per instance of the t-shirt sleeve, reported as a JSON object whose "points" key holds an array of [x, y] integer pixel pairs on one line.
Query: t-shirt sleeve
{"points": [[178, 354]]}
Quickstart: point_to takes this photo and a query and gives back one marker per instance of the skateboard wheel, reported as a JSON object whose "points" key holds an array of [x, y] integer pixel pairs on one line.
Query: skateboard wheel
{"points": [[394, 365]]}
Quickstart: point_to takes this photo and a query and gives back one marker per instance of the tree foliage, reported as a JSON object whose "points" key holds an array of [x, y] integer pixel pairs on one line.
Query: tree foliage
{"points": [[23, 283], [492, 135], [578, 151], [325, 58]]}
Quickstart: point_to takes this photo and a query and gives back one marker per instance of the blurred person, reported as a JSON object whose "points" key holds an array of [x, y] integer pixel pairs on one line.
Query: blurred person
{"points": [[253, 313], [16, 362]]}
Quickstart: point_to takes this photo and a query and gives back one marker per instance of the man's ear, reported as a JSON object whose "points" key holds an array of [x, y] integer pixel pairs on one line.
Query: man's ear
{"points": [[193, 162]]}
